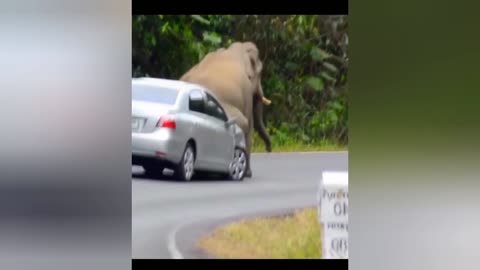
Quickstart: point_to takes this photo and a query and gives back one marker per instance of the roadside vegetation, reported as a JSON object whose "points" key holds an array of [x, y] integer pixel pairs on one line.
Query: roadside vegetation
{"points": [[294, 146], [291, 237], [305, 67]]}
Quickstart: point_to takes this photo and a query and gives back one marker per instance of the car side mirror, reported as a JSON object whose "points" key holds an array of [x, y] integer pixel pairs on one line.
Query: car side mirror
{"points": [[230, 122]]}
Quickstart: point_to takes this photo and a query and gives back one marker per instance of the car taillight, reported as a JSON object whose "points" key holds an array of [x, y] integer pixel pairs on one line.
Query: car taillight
{"points": [[167, 121]]}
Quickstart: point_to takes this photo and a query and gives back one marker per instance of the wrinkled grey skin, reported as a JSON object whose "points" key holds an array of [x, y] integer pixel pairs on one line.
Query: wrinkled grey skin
{"points": [[234, 76]]}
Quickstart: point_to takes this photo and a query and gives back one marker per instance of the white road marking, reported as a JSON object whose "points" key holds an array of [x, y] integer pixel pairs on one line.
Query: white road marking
{"points": [[172, 243], [172, 236]]}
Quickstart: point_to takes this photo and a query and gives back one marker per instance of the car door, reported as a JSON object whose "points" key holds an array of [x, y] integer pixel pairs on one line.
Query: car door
{"points": [[222, 150], [202, 130]]}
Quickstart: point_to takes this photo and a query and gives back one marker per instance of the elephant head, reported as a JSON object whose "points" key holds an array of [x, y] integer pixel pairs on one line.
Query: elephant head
{"points": [[254, 65], [254, 68], [249, 54]]}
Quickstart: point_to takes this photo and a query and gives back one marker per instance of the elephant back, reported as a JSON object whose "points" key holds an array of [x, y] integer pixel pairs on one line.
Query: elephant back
{"points": [[223, 73]]}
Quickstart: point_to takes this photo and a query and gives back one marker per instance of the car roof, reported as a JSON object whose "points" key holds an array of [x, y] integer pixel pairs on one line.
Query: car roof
{"points": [[176, 84], [169, 83]]}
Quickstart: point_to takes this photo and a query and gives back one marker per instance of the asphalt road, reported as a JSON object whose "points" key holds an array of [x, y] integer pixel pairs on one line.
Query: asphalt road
{"points": [[169, 216]]}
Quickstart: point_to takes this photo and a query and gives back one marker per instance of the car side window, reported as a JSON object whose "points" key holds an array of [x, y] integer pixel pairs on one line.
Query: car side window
{"points": [[215, 109], [196, 101], [221, 113]]}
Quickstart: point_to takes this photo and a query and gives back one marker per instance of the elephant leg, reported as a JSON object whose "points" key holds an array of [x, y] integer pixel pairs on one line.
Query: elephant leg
{"points": [[259, 124], [248, 130], [249, 139], [243, 123]]}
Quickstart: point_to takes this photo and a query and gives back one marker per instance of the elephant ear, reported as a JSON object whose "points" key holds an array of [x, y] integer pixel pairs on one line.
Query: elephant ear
{"points": [[254, 59]]}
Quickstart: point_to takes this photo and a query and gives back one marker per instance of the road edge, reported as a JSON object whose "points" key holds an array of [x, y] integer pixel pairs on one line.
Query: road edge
{"points": [[302, 152]]}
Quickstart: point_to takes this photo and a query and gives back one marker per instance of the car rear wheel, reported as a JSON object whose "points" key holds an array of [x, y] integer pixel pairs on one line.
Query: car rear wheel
{"points": [[184, 170], [238, 166]]}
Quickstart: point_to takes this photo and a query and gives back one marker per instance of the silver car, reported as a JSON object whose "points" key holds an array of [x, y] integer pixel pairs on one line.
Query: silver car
{"points": [[183, 127]]}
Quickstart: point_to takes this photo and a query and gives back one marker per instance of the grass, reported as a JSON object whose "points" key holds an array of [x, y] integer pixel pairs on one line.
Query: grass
{"points": [[292, 237], [298, 148], [295, 146]]}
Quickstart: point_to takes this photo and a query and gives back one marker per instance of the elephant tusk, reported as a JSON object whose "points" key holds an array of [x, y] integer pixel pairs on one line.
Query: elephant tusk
{"points": [[266, 101]]}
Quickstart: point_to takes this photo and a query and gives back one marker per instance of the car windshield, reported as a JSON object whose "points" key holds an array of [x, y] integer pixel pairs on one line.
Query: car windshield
{"points": [[154, 94]]}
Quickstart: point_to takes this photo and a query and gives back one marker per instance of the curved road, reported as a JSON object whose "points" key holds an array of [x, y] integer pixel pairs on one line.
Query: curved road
{"points": [[169, 216]]}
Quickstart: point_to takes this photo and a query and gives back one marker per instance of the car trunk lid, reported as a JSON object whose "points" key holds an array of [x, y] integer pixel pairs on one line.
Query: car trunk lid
{"points": [[145, 115]]}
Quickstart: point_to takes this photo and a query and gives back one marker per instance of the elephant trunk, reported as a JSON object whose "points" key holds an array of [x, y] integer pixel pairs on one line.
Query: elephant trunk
{"points": [[258, 124]]}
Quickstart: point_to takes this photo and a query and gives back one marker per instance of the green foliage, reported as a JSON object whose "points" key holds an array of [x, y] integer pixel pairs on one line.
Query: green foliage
{"points": [[315, 83], [305, 64]]}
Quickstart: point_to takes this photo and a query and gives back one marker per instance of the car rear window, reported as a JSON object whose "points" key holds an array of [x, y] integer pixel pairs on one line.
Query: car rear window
{"points": [[154, 94]]}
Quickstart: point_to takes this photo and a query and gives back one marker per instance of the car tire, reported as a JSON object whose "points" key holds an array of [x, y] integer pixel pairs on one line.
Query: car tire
{"points": [[238, 167], [185, 169]]}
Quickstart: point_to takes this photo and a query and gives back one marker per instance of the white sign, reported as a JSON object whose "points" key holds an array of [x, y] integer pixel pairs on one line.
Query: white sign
{"points": [[333, 214]]}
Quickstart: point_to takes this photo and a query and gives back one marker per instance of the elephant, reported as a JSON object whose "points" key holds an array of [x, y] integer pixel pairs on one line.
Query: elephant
{"points": [[233, 74]]}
